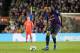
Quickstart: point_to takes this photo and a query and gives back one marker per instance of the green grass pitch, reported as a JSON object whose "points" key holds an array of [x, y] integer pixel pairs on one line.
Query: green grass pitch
{"points": [[22, 47]]}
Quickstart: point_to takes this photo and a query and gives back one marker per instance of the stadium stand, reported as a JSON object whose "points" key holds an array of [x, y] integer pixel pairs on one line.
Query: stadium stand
{"points": [[38, 10]]}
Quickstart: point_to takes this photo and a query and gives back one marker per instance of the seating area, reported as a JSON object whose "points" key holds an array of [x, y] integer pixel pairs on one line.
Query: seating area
{"points": [[39, 11]]}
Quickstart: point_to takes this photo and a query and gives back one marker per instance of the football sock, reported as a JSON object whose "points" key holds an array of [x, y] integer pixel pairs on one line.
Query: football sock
{"points": [[54, 40], [47, 41]]}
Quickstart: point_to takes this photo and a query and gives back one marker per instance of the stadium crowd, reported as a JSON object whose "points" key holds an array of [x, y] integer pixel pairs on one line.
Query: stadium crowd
{"points": [[39, 12]]}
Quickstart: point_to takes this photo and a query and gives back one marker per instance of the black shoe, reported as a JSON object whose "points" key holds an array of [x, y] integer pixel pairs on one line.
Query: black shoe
{"points": [[45, 49], [54, 48]]}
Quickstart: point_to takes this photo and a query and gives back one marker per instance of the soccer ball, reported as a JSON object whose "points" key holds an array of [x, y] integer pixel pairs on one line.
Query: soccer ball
{"points": [[33, 48]]}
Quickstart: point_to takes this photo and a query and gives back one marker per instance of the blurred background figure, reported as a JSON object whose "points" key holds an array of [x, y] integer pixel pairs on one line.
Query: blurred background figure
{"points": [[17, 10], [28, 25]]}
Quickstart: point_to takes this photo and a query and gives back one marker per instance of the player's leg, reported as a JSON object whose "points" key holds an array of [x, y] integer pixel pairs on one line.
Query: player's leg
{"points": [[54, 32], [32, 44], [47, 40], [54, 40], [30, 37], [26, 37]]}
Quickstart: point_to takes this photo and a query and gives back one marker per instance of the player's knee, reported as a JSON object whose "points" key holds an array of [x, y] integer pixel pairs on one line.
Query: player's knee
{"points": [[47, 33], [53, 35], [30, 37]]}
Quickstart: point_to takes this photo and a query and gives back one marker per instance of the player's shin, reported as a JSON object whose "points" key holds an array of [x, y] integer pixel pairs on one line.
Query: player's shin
{"points": [[54, 40], [47, 39], [31, 38], [31, 42], [26, 38]]}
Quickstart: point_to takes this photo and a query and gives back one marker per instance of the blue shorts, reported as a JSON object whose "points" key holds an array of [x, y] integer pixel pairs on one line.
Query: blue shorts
{"points": [[54, 30]]}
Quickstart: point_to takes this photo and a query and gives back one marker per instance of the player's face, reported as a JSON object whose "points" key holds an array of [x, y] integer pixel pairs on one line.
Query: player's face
{"points": [[28, 18]]}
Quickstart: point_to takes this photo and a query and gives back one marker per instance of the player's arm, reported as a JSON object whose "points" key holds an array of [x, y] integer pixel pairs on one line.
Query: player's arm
{"points": [[32, 25]]}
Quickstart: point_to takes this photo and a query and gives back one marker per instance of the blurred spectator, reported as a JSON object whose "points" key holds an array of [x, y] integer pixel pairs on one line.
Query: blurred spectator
{"points": [[40, 12], [40, 24]]}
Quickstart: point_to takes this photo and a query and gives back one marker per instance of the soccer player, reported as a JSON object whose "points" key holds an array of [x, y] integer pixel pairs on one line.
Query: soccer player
{"points": [[53, 29], [28, 28]]}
